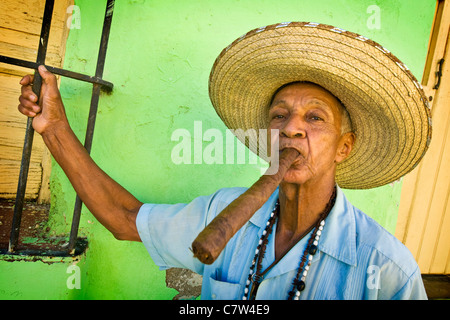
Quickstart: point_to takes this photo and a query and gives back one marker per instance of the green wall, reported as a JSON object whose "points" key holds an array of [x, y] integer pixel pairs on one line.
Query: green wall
{"points": [[159, 57]]}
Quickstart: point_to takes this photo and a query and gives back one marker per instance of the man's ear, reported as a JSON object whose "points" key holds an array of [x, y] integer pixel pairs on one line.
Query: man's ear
{"points": [[345, 146]]}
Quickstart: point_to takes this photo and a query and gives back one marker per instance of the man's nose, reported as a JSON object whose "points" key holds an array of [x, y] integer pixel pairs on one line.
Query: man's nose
{"points": [[294, 127]]}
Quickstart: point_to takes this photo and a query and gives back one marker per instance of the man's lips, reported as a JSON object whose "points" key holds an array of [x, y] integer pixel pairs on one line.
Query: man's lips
{"points": [[300, 151], [300, 160]]}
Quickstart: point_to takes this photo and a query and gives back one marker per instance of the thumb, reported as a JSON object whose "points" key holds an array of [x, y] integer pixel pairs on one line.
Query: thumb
{"points": [[46, 75]]}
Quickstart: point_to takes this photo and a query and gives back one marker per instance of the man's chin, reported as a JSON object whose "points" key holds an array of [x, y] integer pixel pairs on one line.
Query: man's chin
{"points": [[296, 176]]}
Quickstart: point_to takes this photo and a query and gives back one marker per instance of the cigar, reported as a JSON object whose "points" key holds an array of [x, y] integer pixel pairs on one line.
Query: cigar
{"points": [[212, 240]]}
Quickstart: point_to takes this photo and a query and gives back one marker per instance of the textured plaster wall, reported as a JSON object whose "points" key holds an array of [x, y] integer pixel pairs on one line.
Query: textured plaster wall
{"points": [[159, 57]]}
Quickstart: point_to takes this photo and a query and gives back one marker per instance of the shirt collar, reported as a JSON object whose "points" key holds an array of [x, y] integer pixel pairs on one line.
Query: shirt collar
{"points": [[262, 215], [338, 237]]}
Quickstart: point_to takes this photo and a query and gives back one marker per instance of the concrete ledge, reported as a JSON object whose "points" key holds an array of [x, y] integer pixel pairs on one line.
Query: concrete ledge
{"points": [[437, 286]]}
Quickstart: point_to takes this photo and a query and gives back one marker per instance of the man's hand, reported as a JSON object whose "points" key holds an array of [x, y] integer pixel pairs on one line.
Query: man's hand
{"points": [[49, 112]]}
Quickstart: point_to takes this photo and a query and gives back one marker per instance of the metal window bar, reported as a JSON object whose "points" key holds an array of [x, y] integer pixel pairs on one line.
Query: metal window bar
{"points": [[98, 85]]}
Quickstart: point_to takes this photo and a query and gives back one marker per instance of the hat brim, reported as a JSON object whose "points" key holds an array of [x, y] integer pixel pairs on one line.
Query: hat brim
{"points": [[389, 112]]}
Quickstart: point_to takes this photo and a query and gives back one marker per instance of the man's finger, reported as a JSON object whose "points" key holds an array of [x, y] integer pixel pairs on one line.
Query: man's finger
{"points": [[26, 111], [28, 93], [27, 104], [27, 80]]}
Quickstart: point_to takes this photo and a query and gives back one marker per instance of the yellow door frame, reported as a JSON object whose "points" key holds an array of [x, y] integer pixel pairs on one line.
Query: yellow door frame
{"points": [[423, 223]]}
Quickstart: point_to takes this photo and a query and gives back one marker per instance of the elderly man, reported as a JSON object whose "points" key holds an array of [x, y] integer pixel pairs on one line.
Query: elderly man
{"points": [[345, 104]]}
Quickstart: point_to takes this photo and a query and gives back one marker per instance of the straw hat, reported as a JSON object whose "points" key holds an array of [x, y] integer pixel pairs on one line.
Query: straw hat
{"points": [[389, 111]]}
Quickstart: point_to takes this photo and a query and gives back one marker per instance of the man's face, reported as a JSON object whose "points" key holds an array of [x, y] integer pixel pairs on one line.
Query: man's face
{"points": [[309, 119]]}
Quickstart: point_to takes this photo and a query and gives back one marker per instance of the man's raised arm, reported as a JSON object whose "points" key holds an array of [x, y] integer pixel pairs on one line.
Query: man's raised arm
{"points": [[110, 203]]}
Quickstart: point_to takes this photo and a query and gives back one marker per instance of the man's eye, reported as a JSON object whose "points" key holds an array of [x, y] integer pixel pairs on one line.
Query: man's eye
{"points": [[278, 116], [316, 118]]}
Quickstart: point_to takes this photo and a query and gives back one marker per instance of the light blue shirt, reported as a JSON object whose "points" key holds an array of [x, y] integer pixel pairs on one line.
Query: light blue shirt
{"points": [[356, 257]]}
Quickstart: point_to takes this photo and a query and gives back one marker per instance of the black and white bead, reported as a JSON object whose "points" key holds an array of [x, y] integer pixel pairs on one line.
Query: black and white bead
{"points": [[255, 259]]}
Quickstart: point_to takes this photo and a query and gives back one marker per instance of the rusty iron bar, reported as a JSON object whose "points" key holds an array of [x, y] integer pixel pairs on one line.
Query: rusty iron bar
{"points": [[29, 133], [92, 114], [45, 252], [105, 85]]}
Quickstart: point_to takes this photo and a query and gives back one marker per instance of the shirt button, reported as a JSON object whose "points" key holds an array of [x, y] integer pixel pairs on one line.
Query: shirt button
{"points": [[213, 296]]}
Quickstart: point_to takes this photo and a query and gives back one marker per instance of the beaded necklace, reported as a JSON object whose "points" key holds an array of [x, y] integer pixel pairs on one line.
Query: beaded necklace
{"points": [[256, 277]]}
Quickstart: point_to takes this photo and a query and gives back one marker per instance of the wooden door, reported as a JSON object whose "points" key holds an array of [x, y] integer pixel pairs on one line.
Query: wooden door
{"points": [[424, 216]]}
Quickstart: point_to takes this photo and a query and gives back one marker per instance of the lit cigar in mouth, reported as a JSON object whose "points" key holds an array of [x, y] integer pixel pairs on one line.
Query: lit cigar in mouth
{"points": [[212, 240]]}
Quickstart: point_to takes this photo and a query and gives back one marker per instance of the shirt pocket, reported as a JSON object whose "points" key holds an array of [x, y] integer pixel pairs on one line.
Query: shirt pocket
{"points": [[221, 290]]}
